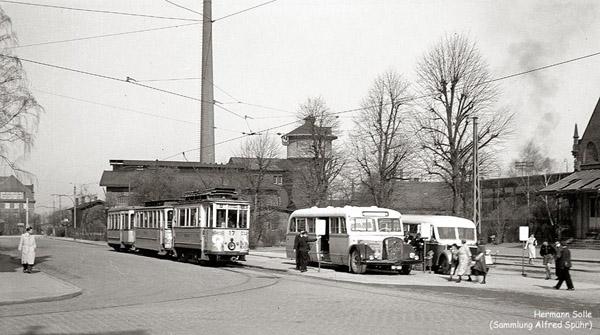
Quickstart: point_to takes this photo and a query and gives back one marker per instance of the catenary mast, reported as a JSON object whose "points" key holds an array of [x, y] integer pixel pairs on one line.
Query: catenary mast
{"points": [[207, 113]]}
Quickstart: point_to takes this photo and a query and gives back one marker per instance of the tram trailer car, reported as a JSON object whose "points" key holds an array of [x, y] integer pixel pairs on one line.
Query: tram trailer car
{"points": [[154, 227], [119, 228], [212, 225]]}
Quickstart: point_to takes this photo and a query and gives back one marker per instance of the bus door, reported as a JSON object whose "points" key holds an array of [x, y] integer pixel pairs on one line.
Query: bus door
{"points": [[324, 242]]}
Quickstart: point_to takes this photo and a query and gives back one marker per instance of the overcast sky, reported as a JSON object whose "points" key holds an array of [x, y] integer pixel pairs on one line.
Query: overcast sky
{"points": [[277, 56]]}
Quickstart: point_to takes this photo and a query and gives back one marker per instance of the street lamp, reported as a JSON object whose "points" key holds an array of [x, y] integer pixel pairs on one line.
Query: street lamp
{"points": [[525, 165]]}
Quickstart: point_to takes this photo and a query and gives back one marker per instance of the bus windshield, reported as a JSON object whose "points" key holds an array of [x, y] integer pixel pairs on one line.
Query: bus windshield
{"points": [[390, 225], [362, 224]]}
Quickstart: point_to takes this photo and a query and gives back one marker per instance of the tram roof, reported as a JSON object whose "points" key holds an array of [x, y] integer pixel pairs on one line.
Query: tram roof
{"points": [[439, 220], [343, 211]]}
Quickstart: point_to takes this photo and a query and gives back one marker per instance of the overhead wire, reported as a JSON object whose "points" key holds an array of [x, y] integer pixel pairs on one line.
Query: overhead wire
{"points": [[182, 7], [127, 80], [103, 36], [244, 10], [98, 11]]}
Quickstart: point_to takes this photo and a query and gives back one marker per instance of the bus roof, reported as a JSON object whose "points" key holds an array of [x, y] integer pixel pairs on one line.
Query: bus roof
{"points": [[439, 220], [350, 211]]}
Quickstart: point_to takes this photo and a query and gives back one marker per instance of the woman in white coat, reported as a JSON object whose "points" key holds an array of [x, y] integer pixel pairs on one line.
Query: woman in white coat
{"points": [[530, 247], [27, 248]]}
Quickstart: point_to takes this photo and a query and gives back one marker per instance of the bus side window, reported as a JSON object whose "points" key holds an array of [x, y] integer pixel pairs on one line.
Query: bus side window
{"points": [[334, 225], [300, 224], [310, 225], [292, 228], [343, 229]]}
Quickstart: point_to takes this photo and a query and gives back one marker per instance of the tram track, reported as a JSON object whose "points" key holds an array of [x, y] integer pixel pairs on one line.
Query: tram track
{"points": [[274, 280]]}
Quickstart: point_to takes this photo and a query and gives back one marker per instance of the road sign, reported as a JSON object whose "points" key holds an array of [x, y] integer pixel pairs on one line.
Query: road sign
{"points": [[523, 233]]}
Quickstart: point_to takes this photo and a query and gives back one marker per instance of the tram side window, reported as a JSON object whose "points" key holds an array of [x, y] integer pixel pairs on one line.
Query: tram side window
{"points": [[192, 217], [220, 218], [181, 222], [209, 217]]}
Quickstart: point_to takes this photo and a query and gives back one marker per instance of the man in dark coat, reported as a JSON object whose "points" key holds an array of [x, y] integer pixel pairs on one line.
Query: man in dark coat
{"points": [[547, 252], [563, 264], [296, 251], [302, 247]]}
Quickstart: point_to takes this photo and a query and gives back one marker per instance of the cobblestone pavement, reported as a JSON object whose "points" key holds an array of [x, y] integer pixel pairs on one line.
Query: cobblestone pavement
{"points": [[131, 294]]}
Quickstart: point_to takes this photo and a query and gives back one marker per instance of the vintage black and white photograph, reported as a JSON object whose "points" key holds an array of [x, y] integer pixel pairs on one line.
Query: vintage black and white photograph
{"points": [[299, 167]]}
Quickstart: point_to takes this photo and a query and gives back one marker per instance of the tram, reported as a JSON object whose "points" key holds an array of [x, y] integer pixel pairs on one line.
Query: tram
{"points": [[212, 225], [154, 227], [119, 228]]}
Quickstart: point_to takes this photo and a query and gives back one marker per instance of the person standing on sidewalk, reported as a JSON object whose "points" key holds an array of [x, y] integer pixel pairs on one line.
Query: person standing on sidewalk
{"points": [[27, 248], [303, 247], [547, 252], [296, 251], [464, 261], [563, 264], [530, 247]]}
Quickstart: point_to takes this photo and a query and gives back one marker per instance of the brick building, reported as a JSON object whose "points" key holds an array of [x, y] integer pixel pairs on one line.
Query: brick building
{"points": [[16, 199]]}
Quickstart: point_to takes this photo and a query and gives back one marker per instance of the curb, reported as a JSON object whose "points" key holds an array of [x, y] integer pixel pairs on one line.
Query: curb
{"points": [[76, 291]]}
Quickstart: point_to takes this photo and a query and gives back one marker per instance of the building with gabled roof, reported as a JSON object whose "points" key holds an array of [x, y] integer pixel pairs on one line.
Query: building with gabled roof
{"points": [[582, 187]]}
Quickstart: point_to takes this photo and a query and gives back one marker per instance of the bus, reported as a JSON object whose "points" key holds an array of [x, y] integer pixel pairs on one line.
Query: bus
{"points": [[211, 225], [439, 233], [356, 237], [153, 227], [119, 228]]}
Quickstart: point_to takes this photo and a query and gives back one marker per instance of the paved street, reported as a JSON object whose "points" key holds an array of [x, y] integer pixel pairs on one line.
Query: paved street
{"points": [[133, 294]]}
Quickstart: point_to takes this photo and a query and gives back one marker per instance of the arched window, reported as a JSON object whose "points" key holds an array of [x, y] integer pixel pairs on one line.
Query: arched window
{"points": [[591, 153]]}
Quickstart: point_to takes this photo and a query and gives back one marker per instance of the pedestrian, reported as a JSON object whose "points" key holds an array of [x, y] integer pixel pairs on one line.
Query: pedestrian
{"points": [[453, 261], [464, 261], [547, 252], [563, 264], [303, 248], [480, 267], [429, 260], [530, 247], [27, 248], [296, 251]]}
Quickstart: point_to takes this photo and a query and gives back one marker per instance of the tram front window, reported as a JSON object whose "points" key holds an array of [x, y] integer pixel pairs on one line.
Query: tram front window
{"points": [[221, 214], [232, 218]]}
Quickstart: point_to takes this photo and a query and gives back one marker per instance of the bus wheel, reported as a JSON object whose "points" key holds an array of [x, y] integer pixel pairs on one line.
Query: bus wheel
{"points": [[117, 248], [444, 266], [405, 269], [356, 265]]}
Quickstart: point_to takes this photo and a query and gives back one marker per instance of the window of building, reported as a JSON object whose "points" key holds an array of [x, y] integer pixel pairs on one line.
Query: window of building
{"points": [[591, 153], [594, 210], [278, 180], [7, 205]]}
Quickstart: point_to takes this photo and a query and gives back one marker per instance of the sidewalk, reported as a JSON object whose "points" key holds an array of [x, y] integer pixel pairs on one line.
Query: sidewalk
{"points": [[17, 287]]}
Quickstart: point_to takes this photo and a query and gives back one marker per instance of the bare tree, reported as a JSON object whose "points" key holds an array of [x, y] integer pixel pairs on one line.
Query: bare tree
{"points": [[380, 141], [19, 110], [323, 161], [258, 159], [456, 87]]}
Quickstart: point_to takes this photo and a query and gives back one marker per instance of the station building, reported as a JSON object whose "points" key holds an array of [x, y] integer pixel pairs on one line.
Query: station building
{"points": [[582, 188]]}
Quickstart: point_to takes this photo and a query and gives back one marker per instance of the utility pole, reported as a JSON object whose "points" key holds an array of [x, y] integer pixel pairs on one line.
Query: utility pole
{"points": [[74, 209], [525, 165], [207, 113], [476, 184]]}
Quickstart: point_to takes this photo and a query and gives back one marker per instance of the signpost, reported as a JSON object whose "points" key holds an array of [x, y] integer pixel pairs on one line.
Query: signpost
{"points": [[319, 231], [523, 236]]}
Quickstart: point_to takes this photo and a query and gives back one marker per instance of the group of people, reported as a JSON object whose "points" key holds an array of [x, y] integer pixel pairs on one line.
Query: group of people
{"points": [[462, 259], [559, 254]]}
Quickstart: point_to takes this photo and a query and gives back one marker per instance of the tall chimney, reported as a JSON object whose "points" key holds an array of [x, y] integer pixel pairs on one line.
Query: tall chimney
{"points": [[207, 113]]}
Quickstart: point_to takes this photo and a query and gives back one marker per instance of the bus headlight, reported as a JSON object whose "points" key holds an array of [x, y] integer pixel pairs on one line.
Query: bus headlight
{"points": [[412, 255]]}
